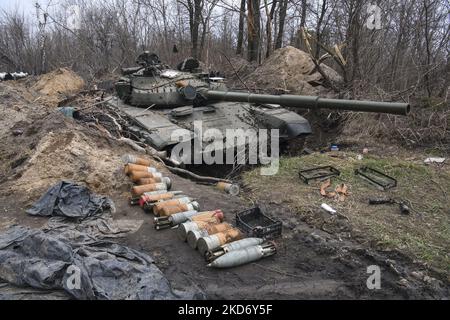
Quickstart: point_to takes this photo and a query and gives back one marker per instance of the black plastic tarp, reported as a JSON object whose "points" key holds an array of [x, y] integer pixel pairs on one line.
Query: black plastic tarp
{"points": [[70, 200], [101, 270]]}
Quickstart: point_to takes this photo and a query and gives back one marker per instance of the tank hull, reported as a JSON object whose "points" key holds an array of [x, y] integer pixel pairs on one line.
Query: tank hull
{"points": [[163, 128]]}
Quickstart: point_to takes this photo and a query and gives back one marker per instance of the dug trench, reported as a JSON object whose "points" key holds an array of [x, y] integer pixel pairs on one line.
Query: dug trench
{"points": [[42, 147], [310, 263]]}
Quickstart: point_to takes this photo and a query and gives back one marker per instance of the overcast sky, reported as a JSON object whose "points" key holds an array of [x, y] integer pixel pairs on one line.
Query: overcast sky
{"points": [[25, 6]]}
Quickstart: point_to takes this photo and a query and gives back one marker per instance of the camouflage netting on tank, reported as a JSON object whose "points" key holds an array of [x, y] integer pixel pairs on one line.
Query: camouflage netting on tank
{"points": [[292, 70]]}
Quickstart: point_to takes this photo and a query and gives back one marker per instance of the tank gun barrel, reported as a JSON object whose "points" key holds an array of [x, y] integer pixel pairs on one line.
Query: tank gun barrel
{"points": [[309, 102]]}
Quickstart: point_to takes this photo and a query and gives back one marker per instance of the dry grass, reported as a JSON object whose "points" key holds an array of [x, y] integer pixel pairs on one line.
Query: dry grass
{"points": [[424, 234], [427, 126]]}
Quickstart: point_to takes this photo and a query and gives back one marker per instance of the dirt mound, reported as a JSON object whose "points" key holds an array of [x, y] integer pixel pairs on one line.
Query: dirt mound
{"points": [[57, 84], [238, 65], [39, 151], [74, 156], [292, 70], [14, 106]]}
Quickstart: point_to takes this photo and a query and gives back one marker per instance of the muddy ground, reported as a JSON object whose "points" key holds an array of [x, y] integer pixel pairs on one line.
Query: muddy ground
{"points": [[310, 263], [40, 147]]}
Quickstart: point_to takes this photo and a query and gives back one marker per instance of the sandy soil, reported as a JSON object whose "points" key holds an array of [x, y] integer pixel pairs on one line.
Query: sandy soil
{"points": [[291, 70]]}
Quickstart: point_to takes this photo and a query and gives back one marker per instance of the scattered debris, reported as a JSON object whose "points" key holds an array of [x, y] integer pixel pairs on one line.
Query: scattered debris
{"points": [[318, 173], [340, 192], [336, 154], [404, 209], [230, 188], [17, 132], [6, 76], [376, 178], [323, 189], [328, 208], [69, 112], [434, 160], [334, 147]]}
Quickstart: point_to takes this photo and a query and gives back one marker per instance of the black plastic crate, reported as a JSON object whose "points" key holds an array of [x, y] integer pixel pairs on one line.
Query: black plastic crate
{"points": [[256, 224]]}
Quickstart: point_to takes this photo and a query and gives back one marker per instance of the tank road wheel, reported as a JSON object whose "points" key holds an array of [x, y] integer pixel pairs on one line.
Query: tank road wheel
{"points": [[293, 147]]}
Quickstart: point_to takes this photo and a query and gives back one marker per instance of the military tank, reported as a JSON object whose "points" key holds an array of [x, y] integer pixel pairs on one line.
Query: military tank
{"points": [[163, 101]]}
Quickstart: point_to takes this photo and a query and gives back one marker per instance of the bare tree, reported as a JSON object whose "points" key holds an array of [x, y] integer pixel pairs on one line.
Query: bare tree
{"points": [[240, 39], [281, 23], [409, 55], [253, 29], [297, 39], [194, 8], [269, 19], [205, 20]]}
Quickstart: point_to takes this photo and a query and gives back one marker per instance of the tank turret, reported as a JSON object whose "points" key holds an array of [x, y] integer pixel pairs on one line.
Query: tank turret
{"points": [[179, 98]]}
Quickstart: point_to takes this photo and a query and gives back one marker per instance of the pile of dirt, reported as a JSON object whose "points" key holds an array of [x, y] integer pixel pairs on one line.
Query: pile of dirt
{"points": [[40, 146], [56, 148], [292, 70], [237, 66], [58, 84], [15, 102], [74, 156]]}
